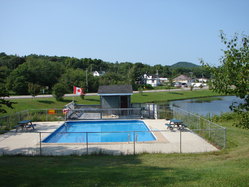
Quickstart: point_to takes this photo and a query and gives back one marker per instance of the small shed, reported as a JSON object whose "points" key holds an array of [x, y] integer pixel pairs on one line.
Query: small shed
{"points": [[115, 96]]}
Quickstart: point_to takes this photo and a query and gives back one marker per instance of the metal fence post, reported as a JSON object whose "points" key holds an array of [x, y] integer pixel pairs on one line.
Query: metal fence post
{"points": [[199, 124], [180, 141], [209, 129], [87, 143], [40, 144], [224, 138], [134, 142], [46, 115]]}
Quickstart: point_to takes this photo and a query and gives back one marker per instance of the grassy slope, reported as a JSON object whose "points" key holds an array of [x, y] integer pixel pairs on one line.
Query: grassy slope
{"points": [[228, 167], [49, 103]]}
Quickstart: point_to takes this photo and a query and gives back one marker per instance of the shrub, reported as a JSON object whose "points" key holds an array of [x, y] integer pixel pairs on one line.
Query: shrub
{"points": [[225, 117], [59, 91], [243, 121]]}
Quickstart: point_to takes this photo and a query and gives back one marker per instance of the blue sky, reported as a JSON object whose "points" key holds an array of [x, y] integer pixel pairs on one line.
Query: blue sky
{"points": [[148, 31]]}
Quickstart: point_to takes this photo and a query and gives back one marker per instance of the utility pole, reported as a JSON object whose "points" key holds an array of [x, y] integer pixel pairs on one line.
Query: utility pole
{"points": [[86, 80]]}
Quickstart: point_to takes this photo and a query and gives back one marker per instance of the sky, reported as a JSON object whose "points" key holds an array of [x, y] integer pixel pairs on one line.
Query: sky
{"points": [[148, 31]]}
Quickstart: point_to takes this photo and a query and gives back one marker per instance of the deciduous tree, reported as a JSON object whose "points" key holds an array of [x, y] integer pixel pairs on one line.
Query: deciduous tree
{"points": [[59, 91], [4, 93], [232, 76]]}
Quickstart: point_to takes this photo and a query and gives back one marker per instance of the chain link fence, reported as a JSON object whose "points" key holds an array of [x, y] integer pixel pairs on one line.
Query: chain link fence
{"points": [[201, 135], [32, 143], [9, 122], [98, 113], [212, 132]]}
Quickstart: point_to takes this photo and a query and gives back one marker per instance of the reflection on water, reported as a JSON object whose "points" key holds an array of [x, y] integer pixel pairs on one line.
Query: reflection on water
{"points": [[207, 106], [204, 100]]}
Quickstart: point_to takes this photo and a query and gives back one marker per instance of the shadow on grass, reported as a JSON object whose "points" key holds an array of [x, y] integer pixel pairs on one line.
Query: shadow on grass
{"points": [[93, 100], [94, 170], [46, 102], [177, 93], [52, 102], [143, 95], [67, 101]]}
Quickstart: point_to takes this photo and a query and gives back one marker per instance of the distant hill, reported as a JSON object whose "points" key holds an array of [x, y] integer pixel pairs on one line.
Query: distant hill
{"points": [[184, 65]]}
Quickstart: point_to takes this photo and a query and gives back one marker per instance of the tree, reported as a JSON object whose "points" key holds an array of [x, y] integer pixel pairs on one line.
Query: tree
{"points": [[136, 73], [113, 78], [36, 71], [73, 77], [34, 89], [59, 90], [4, 93], [232, 77], [93, 83]]}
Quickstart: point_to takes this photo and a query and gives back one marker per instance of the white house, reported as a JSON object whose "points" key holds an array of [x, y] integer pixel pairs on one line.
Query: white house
{"points": [[153, 80], [202, 80]]}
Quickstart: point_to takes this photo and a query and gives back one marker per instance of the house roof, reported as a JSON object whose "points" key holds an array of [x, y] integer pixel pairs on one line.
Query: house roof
{"points": [[152, 76], [115, 90], [182, 77]]}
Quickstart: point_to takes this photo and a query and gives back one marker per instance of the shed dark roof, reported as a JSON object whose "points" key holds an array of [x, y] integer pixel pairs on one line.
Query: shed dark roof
{"points": [[114, 89]]}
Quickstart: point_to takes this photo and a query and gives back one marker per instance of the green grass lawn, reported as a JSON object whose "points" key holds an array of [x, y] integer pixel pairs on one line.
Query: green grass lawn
{"points": [[229, 167], [51, 103], [47, 103], [169, 96]]}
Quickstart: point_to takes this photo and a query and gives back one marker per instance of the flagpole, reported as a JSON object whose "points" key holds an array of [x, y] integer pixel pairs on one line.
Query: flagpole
{"points": [[73, 93]]}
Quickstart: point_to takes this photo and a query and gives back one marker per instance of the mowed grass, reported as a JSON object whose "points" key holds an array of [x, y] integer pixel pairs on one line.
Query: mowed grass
{"points": [[229, 167], [51, 103], [47, 103], [171, 95]]}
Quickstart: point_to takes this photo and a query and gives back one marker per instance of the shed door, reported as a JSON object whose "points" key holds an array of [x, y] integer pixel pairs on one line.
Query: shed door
{"points": [[124, 102]]}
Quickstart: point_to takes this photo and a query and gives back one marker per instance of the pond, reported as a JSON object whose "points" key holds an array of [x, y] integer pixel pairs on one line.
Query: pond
{"points": [[207, 106]]}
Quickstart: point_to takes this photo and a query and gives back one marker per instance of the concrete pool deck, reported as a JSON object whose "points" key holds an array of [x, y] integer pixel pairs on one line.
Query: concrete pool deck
{"points": [[168, 141]]}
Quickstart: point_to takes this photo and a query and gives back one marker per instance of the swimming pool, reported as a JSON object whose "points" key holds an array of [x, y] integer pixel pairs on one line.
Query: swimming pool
{"points": [[101, 131]]}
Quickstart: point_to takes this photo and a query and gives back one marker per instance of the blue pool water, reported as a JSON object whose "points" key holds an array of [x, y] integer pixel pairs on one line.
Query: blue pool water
{"points": [[100, 131]]}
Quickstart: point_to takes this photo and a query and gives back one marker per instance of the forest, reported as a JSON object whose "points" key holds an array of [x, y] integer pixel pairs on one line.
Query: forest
{"points": [[40, 74]]}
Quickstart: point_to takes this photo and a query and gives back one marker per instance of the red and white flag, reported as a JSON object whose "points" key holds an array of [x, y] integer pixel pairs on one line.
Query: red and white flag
{"points": [[78, 91]]}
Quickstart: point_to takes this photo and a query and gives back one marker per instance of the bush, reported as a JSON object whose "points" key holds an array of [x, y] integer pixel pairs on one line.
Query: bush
{"points": [[82, 96], [241, 118], [225, 117], [147, 87], [59, 91], [243, 121]]}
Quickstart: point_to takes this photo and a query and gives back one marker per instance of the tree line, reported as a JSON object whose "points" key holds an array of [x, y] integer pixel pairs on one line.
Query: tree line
{"points": [[33, 73], [37, 74]]}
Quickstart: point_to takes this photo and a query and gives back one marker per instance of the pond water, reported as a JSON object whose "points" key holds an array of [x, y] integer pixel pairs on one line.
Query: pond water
{"points": [[207, 106]]}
